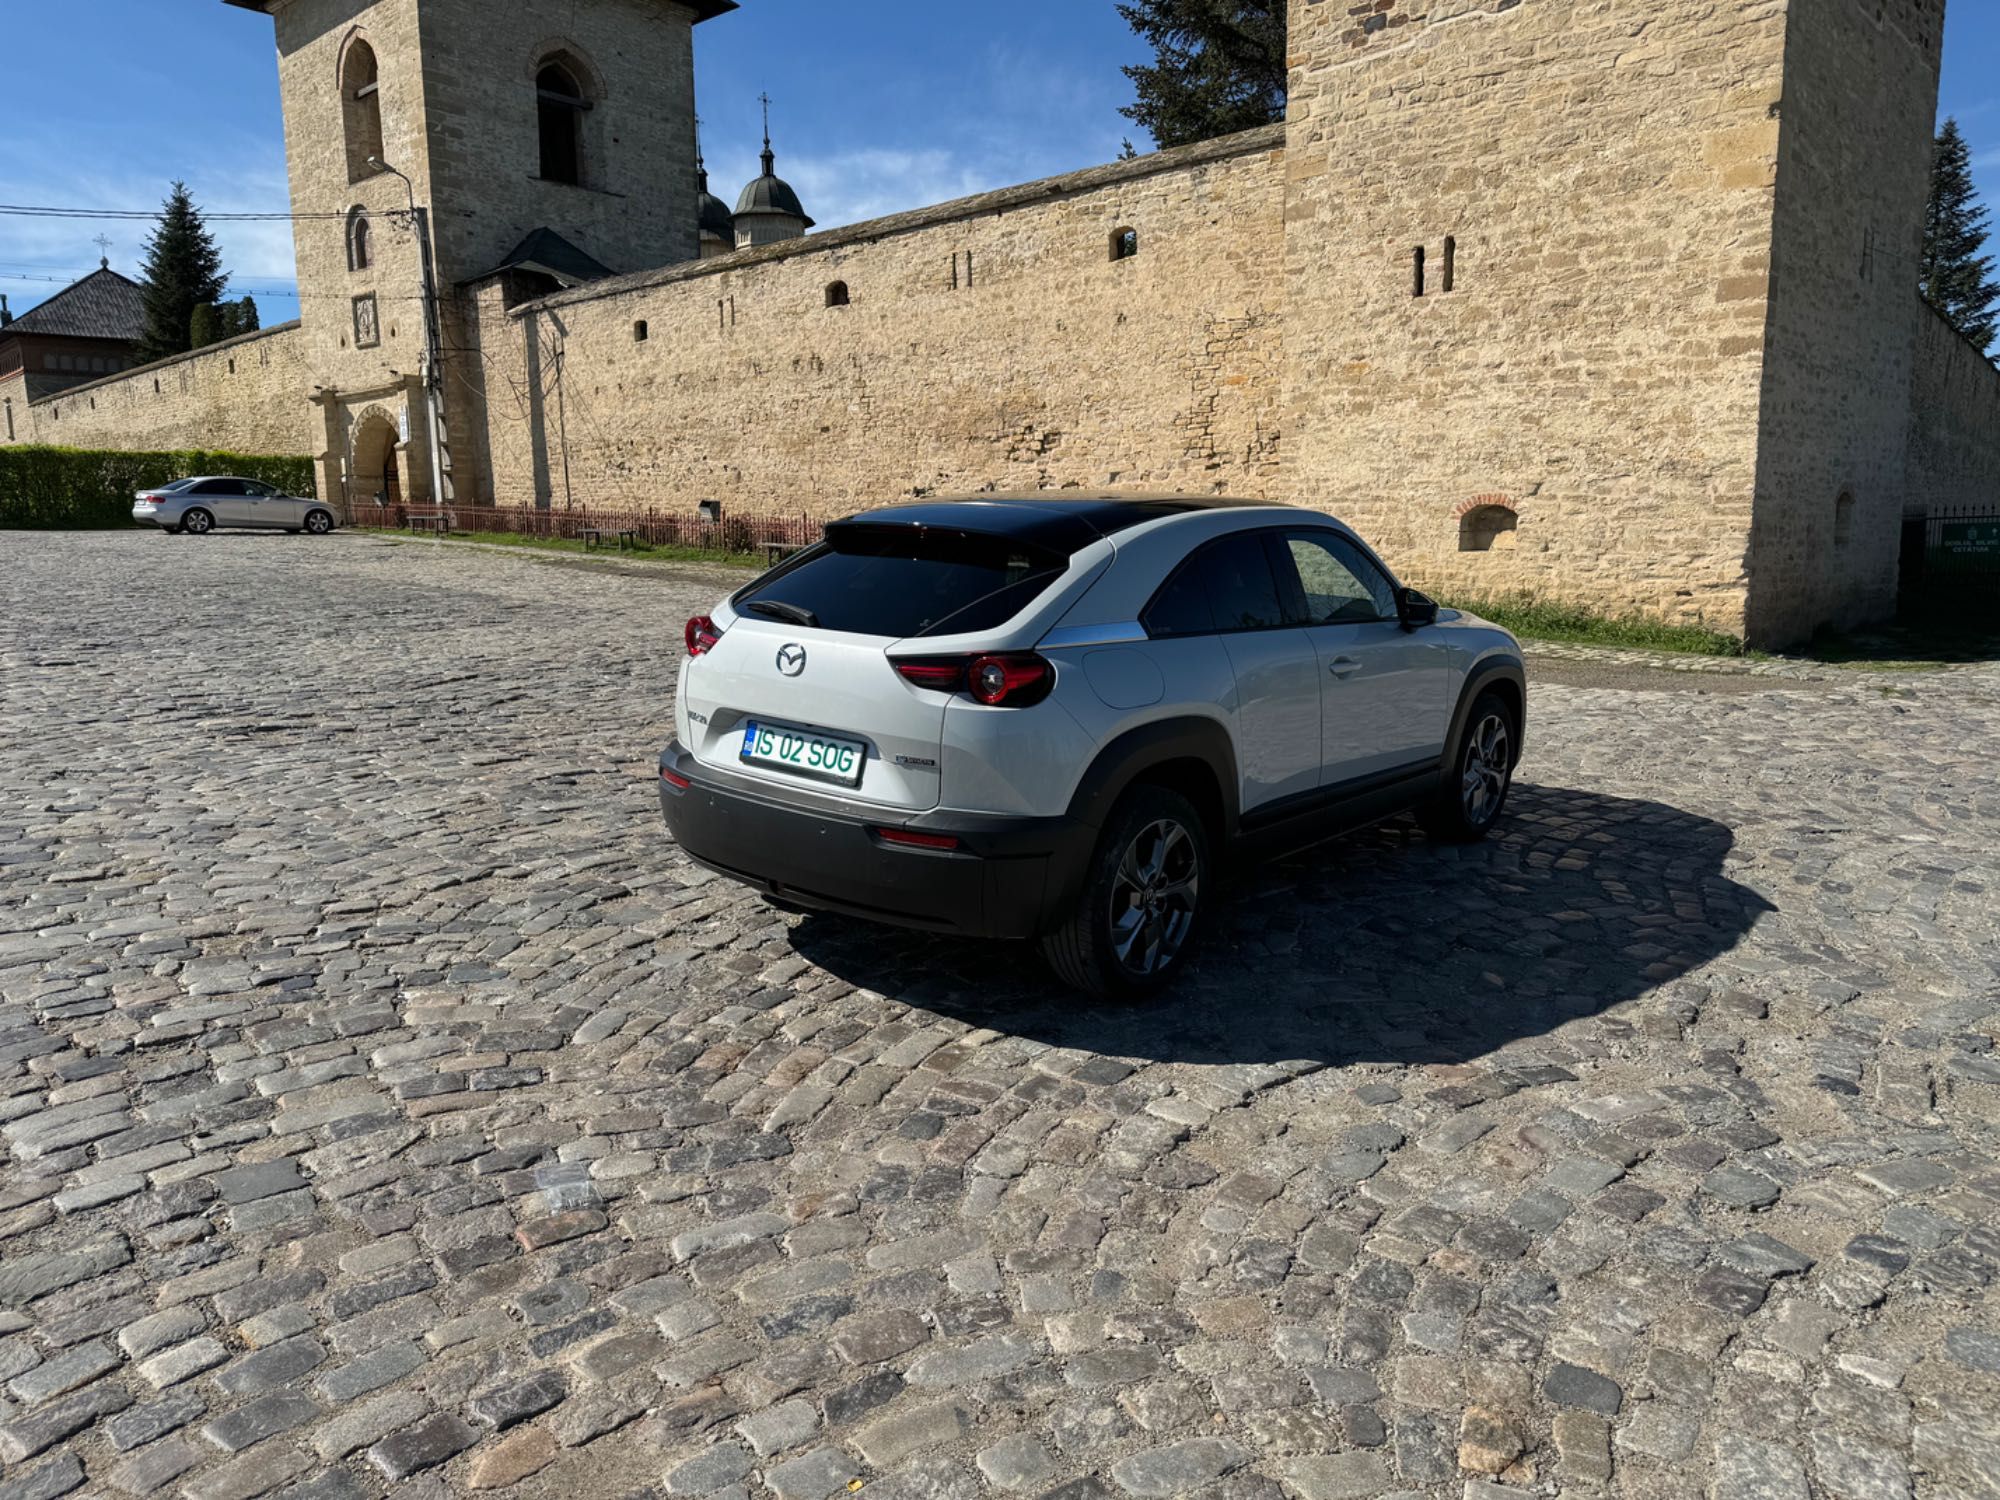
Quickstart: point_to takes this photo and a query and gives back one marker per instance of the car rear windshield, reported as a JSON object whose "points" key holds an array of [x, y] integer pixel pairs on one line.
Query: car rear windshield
{"points": [[905, 581]]}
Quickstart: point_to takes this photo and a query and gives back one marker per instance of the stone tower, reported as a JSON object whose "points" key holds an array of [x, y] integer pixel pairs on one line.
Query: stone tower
{"points": [[1627, 283], [559, 137]]}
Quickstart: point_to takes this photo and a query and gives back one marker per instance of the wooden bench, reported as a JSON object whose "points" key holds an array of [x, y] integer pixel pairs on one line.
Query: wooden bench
{"points": [[628, 541], [592, 538], [436, 521], [777, 552]]}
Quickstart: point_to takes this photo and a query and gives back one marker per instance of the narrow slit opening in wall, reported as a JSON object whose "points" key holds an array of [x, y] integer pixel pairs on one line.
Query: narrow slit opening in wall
{"points": [[640, 332], [1450, 264], [1417, 272], [968, 270]]}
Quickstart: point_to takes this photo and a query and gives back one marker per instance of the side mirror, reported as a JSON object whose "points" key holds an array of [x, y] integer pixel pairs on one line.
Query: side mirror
{"points": [[1415, 610]]}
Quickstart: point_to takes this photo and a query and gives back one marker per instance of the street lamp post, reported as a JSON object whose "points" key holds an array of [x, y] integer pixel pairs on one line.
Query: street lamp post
{"points": [[433, 372]]}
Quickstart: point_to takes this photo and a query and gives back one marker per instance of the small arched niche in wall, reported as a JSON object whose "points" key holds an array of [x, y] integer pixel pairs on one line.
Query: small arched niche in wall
{"points": [[1487, 524], [641, 331], [1125, 244], [837, 296]]}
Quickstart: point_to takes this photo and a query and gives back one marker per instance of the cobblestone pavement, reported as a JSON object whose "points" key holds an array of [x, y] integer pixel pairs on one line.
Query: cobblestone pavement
{"points": [[387, 1108]]}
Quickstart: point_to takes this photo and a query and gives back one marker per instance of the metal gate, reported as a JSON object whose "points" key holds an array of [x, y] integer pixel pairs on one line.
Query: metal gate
{"points": [[1949, 559]]}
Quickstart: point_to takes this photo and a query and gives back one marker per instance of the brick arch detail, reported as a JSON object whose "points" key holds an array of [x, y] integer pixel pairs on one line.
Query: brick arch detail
{"points": [[1481, 502]]}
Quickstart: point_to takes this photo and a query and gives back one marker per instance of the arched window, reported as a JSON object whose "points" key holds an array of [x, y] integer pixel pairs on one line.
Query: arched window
{"points": [[1486, 527], [836, 294], [561, 102], [360, 241], [1843, 520], [1124, 244], [361, 101]]}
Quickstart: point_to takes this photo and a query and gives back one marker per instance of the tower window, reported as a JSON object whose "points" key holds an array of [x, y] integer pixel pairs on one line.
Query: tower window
{"points": [[1417, 272], [836, 294], [1124, 244], [360, 242], [562, 104], [361, 103]]}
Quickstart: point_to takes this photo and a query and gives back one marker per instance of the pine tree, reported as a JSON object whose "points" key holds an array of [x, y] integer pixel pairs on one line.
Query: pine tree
{"points": [[205, 325], [1219, 67], [248, 319], [183, 270], [1957, 280]]}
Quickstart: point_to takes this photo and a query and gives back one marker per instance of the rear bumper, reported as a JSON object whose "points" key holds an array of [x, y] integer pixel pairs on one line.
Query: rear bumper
{"points": [[1009, 878], [151, 515]]}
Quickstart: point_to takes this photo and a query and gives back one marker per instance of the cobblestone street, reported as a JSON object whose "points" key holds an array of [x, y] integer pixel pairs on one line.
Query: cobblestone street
{"points": [[386, 1107]]}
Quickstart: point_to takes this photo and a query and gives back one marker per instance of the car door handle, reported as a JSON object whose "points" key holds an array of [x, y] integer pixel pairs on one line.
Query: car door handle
{"points": [[1344, 666]]}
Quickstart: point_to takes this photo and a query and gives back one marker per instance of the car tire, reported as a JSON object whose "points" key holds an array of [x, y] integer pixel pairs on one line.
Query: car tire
{"points": [[1470, 799], [197, 522], [1145, 895], [319, 522]]}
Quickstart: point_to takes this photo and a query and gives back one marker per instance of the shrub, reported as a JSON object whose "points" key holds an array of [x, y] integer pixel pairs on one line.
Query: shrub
{"points": [[48, 488]]}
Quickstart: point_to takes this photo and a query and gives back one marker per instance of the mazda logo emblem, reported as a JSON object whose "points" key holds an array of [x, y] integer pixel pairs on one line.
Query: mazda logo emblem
{"points": [[792, 660]]}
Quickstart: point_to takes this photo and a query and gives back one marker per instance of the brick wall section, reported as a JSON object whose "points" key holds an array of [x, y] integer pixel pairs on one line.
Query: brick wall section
{"points": [[1606, 173], [245, 395], [1854, 158], [1954, 453], [1054, 366]]}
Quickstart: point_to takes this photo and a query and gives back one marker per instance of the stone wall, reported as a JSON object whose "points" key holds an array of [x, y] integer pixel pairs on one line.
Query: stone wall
{"points": [[1854, 162], [1599, 178], [245, 395], [993, 343], [1954, 452]]}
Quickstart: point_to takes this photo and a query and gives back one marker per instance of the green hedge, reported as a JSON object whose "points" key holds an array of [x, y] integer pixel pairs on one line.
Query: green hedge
{"points": [[86, 487]]}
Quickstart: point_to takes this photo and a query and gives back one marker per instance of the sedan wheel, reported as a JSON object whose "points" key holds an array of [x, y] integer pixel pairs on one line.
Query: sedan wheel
{"points": [[319, 523], [1154, 898], [198, 523], [1469, 800]]}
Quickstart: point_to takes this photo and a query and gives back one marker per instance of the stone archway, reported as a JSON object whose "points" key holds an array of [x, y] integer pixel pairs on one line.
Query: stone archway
{"points": [[377, 463]]}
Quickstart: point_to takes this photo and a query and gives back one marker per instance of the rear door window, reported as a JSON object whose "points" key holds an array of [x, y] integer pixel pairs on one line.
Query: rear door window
{"points": [[903, 581], [1242, 589]]}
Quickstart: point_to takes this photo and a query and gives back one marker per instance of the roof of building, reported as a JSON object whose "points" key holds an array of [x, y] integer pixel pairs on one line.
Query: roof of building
{"points": [[771, 194], [104, 305], [712, 212], [552, 255]]}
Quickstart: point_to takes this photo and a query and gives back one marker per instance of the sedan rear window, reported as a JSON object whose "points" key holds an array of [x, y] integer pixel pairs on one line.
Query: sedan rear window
{"points": [[903, 581]]}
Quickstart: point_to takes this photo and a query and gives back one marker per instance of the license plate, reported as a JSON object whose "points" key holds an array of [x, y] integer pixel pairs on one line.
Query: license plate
{"points": [[804, 753]]}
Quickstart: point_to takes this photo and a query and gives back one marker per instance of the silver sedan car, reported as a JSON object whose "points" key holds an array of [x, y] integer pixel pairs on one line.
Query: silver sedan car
{"points": [[199, 506]]}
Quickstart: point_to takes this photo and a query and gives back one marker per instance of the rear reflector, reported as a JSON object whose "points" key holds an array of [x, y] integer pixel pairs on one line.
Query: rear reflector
{"points": [[910, 840], [675, 780]]}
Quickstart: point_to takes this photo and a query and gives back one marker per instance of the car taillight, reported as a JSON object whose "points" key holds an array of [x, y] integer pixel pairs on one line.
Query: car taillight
{"points": [[675, 780], [911, 840], [701, 635], [1010, 680]]}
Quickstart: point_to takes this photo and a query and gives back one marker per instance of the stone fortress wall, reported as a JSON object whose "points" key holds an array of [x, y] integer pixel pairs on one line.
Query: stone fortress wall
{"points": [[990, 343], [1665, 356], [244, 395]]}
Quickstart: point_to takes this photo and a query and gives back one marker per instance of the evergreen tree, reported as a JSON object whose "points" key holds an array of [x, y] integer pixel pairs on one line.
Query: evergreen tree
{"points": [[248, 319], [183, 270], [205, 326], [1957, 280], [1219, 67]]}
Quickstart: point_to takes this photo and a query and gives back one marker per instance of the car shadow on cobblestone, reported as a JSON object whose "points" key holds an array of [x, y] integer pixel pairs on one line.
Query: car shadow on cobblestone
{"points": [[1379, 947]]}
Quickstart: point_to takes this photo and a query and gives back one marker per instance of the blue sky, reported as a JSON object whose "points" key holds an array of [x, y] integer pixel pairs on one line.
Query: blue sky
{"points": [[878, 107]]}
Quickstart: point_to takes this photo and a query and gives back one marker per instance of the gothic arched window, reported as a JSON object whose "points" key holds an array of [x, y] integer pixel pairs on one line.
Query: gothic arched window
{"points": [[561, 103], [361, 104], [360, 241]]}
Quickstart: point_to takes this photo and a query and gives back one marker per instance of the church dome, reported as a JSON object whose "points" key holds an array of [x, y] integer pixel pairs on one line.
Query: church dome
{"points": [[715, 218], [771, 194]]}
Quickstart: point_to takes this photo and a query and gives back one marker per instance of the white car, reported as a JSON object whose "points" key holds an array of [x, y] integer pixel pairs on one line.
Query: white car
{"points": [[1054, 720], [199, 506]]}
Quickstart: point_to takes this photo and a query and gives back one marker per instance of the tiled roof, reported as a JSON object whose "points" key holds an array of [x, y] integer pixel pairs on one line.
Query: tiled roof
{"points": [[104, 305]]}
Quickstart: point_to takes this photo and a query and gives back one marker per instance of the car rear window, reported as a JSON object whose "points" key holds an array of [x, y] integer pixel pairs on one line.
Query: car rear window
{"points": [[905, 581]]}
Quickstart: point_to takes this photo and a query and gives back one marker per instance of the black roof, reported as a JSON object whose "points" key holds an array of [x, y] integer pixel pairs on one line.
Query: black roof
{"points": [[1065, 526], [104, 305], [552, 255]]}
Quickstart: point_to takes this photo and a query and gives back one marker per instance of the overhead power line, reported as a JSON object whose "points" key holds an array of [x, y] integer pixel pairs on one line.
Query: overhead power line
{"points": [[35, 211]]}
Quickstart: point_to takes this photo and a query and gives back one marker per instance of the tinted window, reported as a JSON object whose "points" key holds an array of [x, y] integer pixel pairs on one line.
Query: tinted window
{"points": [[214, 487], [264, 491], [1181, 608], [1242, 590], [1341, 584], [904, 581]]}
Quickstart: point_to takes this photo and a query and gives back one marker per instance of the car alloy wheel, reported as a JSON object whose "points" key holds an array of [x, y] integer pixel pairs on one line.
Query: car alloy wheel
{"points": [[319, 523], [198, 522], [1154, 896], [1484, 775]]}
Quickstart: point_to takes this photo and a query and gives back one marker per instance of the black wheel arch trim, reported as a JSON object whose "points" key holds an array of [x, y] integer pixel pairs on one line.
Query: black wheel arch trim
{"points": [[1132, 754], [1485, 674]]}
